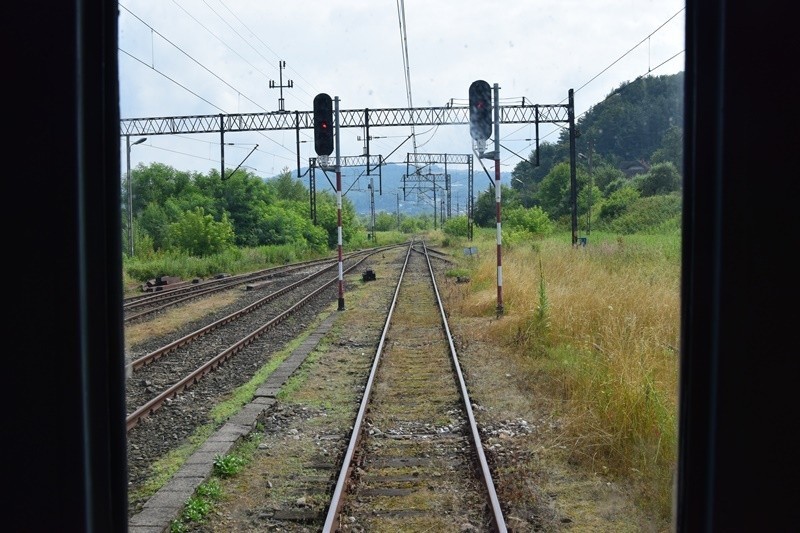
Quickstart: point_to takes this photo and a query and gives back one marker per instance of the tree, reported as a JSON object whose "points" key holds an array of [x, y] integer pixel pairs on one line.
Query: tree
{"points": [[285, 187], [385, 221], [588, 196], [485, 207], [663, 178], [554, 192], [198, 234], [550, 154], [629, 124], [157, 182], [671, 150], [527, 176], [327, 218], [154, 221], [286, 226], [604, 175], [617, 203], [244, 196], [410, 225], [456, 226]]}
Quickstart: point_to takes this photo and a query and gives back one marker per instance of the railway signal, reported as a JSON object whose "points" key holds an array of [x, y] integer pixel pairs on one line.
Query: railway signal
{"points": [[323, 124], [480, 110]]}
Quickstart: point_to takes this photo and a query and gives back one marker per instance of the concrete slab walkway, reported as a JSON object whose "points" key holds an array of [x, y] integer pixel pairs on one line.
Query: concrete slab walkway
{"points": [[168, 502]]}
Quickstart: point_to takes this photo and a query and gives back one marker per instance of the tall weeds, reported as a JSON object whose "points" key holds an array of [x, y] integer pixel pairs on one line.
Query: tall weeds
{"points": [[603, 321]]}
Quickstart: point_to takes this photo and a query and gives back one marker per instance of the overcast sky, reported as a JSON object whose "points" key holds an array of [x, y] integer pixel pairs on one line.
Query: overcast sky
{"points": [[206, 57]]}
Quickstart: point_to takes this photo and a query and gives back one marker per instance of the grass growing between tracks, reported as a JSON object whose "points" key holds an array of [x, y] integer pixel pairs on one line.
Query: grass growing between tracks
{"points": [[167, 466], [594, 332]]}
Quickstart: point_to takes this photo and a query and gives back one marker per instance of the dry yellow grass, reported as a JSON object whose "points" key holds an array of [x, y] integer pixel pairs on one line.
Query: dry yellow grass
{"points": [[608, 340], [172, 319]]}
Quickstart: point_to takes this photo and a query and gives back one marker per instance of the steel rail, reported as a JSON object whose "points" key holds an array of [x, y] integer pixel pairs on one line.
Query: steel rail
{"points": [[473, 425], [179, 293], [355, 436], [337, 499], [186, 339], [212, 364]]}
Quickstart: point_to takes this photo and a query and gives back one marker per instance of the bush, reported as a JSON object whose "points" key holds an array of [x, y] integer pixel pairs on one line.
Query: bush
{"points": [[456, 226], [199, 234], [617, 202], [648, 214], [532, 220]]}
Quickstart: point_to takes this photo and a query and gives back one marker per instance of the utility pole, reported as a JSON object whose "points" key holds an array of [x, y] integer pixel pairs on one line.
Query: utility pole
{"points": [[497, 189], [573, 183], [339, 205], [372, 209], [290, 84], [591, 192], [130, 188]]}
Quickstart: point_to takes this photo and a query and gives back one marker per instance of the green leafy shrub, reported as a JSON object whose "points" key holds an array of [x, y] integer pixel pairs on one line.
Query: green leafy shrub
{"points": [[647, 214], [198, 506], [227, 465], [456, 226], [532, 220], [197, 233]]}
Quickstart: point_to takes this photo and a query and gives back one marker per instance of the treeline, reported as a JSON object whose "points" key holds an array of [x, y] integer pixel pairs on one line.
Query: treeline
{"points": [[628, 176], [201, 214]]}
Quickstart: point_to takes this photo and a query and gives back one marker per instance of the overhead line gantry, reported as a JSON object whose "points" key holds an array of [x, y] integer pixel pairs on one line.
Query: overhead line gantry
{"points": [[348, 118], [522, 113]]}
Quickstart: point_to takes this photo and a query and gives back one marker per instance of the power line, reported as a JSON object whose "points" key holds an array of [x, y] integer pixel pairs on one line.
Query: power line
{"points": [[190, 57], [254, 34], [649, 70], [401, 16], [154, 69], [629, 51], [213, 34]]}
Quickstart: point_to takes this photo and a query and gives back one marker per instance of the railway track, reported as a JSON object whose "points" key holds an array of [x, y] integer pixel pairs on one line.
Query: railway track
{"points": [[144, 306], [151, 386], [172, 389], [415, 461], [418, 464]]}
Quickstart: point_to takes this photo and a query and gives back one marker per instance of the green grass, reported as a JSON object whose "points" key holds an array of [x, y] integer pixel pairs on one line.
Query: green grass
{"points": [[198, 506]]}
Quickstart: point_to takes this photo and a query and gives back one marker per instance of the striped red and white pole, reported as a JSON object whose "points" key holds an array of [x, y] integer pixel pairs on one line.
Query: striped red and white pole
{"points": [[497, 199], [339, 234], [339, 207]]}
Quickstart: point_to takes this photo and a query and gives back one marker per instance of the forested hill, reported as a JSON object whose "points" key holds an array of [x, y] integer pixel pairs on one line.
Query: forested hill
{"points": [[640, 121], [631, 122]]}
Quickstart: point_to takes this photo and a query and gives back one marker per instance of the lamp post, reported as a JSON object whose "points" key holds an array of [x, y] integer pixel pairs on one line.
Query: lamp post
{"points": [[130, 189]]}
